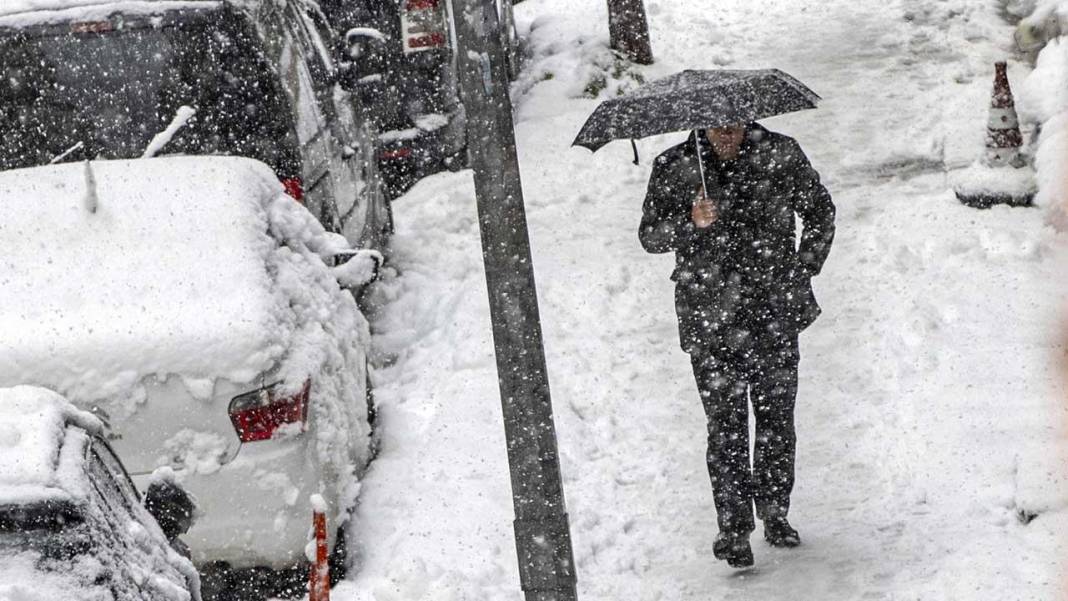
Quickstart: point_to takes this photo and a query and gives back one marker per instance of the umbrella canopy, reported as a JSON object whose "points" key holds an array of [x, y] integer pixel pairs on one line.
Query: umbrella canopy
{"points": [[695, 100]]}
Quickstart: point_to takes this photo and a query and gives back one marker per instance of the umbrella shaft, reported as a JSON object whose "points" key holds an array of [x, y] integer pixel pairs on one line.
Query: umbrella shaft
{"points": [[700, 163]]}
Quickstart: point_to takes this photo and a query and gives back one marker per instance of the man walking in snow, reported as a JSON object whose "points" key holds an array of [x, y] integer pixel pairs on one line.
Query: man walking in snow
{"points": [[743, 294]]}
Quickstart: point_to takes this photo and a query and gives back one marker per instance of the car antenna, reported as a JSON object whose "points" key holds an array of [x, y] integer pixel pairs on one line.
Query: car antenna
{"points": [[92, 201]]}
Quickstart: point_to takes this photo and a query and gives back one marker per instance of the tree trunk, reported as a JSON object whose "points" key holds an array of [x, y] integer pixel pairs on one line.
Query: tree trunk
{"points": [[628, 30]]}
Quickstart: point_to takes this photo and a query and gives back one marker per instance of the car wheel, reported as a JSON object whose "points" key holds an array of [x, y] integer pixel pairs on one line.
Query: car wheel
{"points": [[216, 582], [339, 557], [372, 412], [456, 162]]}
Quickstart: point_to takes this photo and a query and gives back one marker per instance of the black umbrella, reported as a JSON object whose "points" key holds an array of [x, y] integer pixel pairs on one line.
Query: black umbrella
{"points": [[695, 100]]}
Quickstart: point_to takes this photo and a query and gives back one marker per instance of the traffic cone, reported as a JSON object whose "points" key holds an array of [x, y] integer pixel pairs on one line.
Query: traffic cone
{"points": [[1003, 137], [1001, 176]]}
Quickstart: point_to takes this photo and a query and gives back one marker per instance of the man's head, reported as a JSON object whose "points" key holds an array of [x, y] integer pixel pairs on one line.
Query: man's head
{"points": [[726, 141]]}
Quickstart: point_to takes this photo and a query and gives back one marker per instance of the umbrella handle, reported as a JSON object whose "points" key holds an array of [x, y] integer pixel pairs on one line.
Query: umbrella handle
{"points": [[700, 162], [634, 146]]}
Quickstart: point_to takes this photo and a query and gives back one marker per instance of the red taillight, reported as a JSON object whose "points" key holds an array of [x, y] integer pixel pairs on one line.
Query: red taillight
{"points": [[424, 25], [432, 40], [395, 153], [258, 415], [294, 187]]}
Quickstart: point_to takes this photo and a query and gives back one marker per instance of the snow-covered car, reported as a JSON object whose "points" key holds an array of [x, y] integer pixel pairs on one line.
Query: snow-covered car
{"points": [[188, 302], [100, 79], [72, 525]]}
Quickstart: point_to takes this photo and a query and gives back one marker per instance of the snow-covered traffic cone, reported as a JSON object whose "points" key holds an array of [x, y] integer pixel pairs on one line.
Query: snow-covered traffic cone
{"points": [[1003, 137], [1002, 175], [319, 572]]}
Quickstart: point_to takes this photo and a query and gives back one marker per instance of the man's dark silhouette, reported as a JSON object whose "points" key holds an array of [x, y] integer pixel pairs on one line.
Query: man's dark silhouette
{"points": [[743, 294]]}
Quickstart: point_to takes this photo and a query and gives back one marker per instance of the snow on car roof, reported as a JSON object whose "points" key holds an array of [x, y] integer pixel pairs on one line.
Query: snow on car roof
{"points": [[35, 461], [168, 276], [21, 13], [22, 579]]}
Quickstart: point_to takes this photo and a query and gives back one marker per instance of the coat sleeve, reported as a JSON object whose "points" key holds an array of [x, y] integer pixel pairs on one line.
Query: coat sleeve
{"points": [[813, 204], [665, 224]]}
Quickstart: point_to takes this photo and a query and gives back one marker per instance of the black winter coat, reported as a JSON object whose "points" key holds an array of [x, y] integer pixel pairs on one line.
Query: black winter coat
{"points": [[742, 281]]}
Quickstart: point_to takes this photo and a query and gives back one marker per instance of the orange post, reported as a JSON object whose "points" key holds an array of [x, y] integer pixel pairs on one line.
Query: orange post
{"points": [[319, 573]]}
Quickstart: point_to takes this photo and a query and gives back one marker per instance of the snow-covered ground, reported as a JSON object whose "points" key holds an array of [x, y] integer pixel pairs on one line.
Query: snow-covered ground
{"points": [[930, 415]]}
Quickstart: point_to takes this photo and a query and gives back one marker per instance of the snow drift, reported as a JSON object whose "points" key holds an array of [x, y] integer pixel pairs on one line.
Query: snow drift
{"points": [[1045, 93]]}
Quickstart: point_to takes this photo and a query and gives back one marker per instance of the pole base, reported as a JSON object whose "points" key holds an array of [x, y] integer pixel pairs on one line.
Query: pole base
{"points": [[546, 564]]}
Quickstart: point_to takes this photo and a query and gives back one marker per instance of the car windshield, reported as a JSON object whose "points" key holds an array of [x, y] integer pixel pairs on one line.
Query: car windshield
{"points": [[111, 89]]}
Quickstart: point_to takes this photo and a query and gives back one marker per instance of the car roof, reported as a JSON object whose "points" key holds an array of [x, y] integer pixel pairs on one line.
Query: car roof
{"points": [[42, 443], [164, 272], [14, 7], [21, 14]]}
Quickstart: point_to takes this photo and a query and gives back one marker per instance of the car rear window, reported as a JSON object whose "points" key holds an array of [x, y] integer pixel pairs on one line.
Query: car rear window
{"points": [[112, 90], [45, 515]]}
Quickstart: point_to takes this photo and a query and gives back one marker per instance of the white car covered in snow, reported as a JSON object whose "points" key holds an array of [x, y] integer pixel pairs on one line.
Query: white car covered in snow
{"points": [[72, 525], [188, 303]]}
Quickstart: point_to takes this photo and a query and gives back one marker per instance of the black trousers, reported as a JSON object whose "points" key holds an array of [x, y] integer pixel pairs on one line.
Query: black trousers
{"points": [[766, 375]]}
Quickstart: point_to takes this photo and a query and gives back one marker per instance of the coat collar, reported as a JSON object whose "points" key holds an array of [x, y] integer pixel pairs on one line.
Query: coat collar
{"points": [[754, 133]]}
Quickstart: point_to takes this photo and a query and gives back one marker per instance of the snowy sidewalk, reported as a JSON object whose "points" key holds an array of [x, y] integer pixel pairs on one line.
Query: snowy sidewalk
{"points": [[929, 418]]}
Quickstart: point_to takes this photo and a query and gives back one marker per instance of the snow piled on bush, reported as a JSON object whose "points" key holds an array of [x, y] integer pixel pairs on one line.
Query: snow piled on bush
{"points": [[1044, 99]]}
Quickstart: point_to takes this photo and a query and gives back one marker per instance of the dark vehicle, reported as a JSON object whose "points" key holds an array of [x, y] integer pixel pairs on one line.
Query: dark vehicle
{"points": [[404, 62], [102, 81], [72, 525]]}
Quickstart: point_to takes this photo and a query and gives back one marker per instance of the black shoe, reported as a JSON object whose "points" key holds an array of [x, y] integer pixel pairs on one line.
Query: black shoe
{"points": [[734, 549], [779, 533]]}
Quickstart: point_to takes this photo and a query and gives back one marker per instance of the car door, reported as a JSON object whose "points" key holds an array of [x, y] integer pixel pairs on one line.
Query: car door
{"points": [[117, 509], [362, 208], [287, 52], [124, 506]]}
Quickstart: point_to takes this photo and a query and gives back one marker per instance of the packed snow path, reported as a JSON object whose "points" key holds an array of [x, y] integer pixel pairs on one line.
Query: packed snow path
{"points": [[929, 415]]}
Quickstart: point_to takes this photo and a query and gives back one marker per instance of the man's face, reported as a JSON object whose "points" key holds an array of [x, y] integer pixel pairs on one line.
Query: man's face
{"points": [[726, 141]]}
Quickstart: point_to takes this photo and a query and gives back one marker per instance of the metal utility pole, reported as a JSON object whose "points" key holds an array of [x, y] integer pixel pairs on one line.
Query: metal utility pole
{"points": [[542, 533], [628, 30]]}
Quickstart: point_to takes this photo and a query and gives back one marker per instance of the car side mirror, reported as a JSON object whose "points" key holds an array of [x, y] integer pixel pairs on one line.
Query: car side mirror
{"points": [[364, 62], [357, 269], [171, 505]]}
